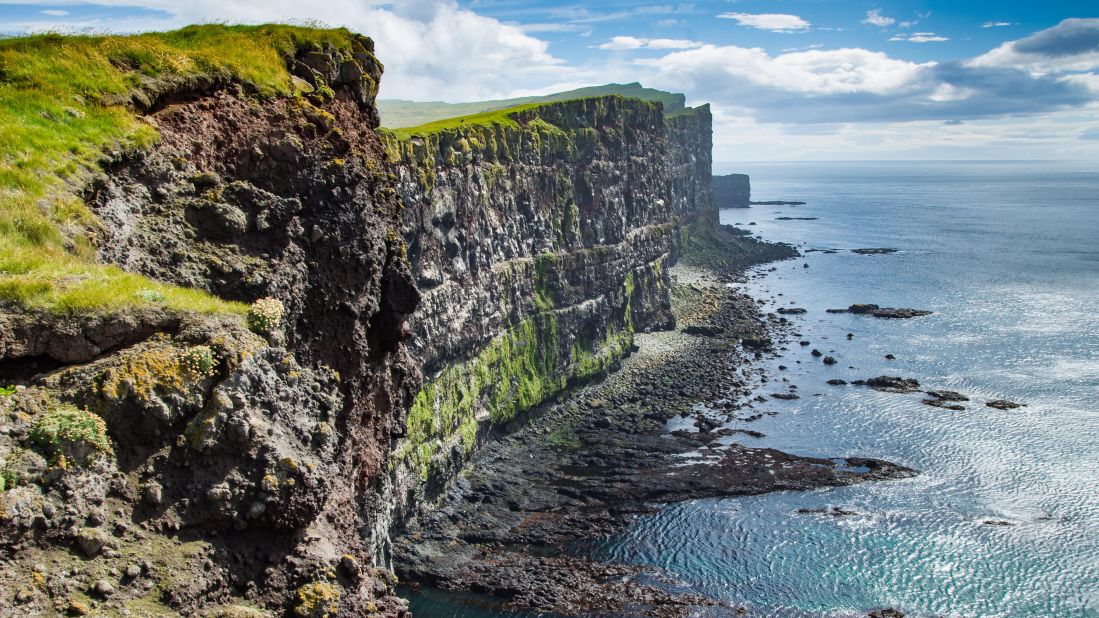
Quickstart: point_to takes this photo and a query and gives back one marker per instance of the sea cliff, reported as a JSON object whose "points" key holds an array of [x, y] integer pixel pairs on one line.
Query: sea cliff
{"points": [[252, 334]]}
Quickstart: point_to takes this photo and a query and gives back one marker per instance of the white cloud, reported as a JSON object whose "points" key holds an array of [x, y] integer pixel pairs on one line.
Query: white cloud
{"points": [[775, 22], [632, 42], [1072, 45], [920, 37], [54, 12], [875, 18], [996, 24], [813, 72], [432, 49]]}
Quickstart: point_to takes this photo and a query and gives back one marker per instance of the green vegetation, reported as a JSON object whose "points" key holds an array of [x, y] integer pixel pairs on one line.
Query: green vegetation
{"points": [[199, 361], [265, 315], [521, 368], [498, 117], [67, 435], [398, 114], [6, 391], [63, 104]]}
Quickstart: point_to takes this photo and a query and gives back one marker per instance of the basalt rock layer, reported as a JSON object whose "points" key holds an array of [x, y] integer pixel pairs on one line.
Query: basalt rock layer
{"points": [[539, 248], [437, 288]]}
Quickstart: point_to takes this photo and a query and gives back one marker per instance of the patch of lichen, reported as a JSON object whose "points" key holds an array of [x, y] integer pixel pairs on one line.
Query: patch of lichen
{"points": [[146, 371], [317, 600]]}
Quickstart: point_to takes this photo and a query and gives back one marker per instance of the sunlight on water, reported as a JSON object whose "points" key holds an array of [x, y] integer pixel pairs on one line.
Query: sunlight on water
{"points": [[1005, 254]]}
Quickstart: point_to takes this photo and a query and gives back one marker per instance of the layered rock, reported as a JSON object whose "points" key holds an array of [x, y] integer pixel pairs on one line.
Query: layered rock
{"points": [[732, 191], [238, 466], [506, 261], [539, 246]]}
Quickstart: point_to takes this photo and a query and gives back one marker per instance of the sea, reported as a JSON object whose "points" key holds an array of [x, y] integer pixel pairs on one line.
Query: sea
{"points": [[1003, 518]]}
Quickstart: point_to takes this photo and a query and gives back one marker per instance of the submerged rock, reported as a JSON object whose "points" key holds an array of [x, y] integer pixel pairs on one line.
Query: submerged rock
{"points": [[874, 251], [1003, 404], [882, 312], [893, 384], [941, 403], [948, 395]]}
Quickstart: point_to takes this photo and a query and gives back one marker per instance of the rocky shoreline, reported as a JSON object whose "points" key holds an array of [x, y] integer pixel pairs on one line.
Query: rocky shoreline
{"points": [[670, 425]]}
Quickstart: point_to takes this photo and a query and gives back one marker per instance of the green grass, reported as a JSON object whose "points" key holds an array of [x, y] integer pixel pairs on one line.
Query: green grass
{"points": [[398, 113], [496, 117], [60, 110]]}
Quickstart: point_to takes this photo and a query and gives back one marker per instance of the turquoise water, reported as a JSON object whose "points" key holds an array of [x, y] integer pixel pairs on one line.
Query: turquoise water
{"points": [[1007, 255]]}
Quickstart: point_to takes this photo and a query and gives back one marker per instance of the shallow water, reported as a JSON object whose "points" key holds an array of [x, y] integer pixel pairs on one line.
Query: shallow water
{"points": [[1007, 256]]}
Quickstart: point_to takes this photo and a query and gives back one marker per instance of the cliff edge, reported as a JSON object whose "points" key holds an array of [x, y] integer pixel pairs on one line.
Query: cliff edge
{"points": [[245, 334]]}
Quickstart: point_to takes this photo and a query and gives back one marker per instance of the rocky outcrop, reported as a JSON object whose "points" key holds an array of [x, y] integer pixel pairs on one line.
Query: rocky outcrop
{"points": [[732, 191], [436, 289], [237, 467]]}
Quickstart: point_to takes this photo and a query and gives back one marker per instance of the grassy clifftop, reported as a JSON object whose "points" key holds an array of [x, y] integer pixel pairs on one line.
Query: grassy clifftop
{"points": [[65, 101], [397, 113]]}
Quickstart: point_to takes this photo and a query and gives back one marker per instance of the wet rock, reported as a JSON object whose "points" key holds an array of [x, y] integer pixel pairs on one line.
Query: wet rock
{"points": [[756, 343], [948, 395], [1003, 404], [997, 522], [828, 360], [817, 353], [890, 357], [893, 384], [837, 382], [785, 396], [944, 404], [834, 511], [873, 251], [885, 613], [791, 310], [882, 312]]}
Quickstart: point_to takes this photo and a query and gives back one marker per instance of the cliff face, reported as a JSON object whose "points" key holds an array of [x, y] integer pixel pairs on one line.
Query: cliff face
{"points": [[436, 288], [227, 465], [539, 247], [732, 191]]}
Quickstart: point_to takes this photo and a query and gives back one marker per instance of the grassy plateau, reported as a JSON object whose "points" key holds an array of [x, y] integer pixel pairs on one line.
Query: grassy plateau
{"points": [[64, 103]]}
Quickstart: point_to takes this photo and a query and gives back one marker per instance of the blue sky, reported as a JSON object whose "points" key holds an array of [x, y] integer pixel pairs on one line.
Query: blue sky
{"points": [[789, 79]]}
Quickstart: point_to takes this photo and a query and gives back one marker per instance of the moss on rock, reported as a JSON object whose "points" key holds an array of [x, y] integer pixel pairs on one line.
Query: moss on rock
{"points": [[66, 435]]}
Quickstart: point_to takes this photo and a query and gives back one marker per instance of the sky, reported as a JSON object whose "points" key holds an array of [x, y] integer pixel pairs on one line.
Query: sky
{"points": [[786, 79]]}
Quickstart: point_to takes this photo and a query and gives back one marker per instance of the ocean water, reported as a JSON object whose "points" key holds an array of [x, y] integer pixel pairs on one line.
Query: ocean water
{"points": [[1007, 256]]}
